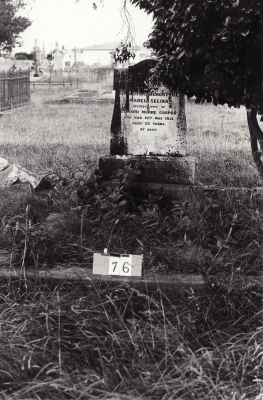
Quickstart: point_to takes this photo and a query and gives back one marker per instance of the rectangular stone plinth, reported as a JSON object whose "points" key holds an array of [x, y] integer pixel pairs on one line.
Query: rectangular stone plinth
{"points": [[163, 169]]}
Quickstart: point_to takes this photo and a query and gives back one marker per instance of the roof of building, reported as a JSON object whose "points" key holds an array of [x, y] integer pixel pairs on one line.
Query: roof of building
{"points": [[104, 46], [107, 46]]}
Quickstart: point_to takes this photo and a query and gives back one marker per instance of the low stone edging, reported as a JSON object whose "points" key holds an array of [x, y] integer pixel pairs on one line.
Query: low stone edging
{"points": [[169, 284]]}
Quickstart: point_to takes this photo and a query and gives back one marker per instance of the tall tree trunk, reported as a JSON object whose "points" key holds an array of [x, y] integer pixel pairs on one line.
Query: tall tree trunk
{"points": [[256, 136], [261, 17]]}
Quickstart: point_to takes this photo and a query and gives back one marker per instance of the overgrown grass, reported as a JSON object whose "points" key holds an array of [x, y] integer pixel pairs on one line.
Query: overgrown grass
{"points": [[90, 340], [209, 233], [44, 136], [219, 139]]}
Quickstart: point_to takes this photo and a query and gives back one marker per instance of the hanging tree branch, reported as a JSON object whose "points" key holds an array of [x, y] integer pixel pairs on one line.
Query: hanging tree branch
{"points": [[127, 23], [127, 45]]}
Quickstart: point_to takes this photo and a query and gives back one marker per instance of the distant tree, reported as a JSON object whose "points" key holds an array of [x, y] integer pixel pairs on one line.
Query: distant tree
{"points": [[11, 24], [21, 56], [212, 49]]}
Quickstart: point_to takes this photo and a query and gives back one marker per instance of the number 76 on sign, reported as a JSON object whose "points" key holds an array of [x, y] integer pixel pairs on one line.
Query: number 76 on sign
{"points": [[120, 265], [117, 264]]}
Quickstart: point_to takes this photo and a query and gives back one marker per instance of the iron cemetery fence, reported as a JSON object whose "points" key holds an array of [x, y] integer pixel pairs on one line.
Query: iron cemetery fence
{"points": [[14, 89], [83, 79]]}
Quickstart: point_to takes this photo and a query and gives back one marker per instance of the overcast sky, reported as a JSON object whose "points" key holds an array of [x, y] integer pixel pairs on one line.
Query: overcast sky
{"points": [[75, 23]]}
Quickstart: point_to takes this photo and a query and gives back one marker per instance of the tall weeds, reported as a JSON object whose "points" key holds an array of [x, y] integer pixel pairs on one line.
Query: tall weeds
{"points": [[79, 341]]}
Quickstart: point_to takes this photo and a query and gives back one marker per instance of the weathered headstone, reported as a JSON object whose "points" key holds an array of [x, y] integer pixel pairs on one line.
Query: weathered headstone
{"points": [[148, 121]]}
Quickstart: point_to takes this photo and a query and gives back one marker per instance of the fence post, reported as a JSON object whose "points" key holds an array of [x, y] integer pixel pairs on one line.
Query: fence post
{"points": [[28, 84], [10, 89], [19, 87], [1, 91]]}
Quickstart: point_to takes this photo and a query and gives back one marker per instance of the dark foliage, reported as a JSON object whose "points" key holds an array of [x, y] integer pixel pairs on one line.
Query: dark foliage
{"points": [[209, 49], [123, 52], [11, 25], [23, 56]]}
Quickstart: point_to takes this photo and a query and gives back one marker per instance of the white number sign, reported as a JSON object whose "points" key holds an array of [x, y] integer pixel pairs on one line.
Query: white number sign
{"points": [[117, 264], [120, 265]]}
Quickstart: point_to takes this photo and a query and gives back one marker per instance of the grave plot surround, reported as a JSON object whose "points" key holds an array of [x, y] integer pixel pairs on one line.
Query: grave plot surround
{"points": [[148, 121]]}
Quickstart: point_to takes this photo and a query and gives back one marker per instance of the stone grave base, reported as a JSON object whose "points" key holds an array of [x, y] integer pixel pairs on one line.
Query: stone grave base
{"points": [[154, 169], [179, 193], [176, 192]]}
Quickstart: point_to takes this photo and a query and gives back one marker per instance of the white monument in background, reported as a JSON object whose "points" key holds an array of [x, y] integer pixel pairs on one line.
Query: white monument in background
{"points": [[57, 58]]}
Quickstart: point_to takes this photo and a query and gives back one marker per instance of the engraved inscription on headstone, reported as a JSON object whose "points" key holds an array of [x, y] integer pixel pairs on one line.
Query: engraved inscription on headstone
{"points": [[150, 125]]}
